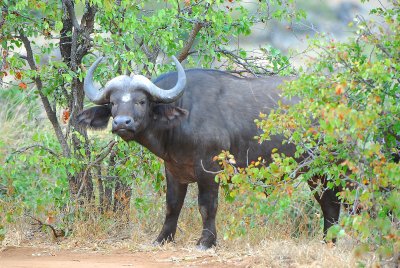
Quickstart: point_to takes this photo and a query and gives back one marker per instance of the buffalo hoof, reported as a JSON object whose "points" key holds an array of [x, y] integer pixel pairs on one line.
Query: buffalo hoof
{"points": [[202, 248], [204, 244], [163, 239], [157, 243]]}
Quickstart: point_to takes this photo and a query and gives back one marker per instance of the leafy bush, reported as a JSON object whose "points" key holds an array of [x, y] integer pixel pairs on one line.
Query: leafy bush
{"points": [[44, 53], [348, 125]]}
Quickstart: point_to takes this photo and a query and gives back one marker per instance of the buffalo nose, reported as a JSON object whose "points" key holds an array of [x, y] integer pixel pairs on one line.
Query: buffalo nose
{"points": [[122, 121]]}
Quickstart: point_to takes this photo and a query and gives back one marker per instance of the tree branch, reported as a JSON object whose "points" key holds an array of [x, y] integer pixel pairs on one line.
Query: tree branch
{"points": [[56, 233], [4, 11], [238, 60], [94, 163], [71, 11], [189, 43], [24, 149], [87, 26], [65, 35], [80, 45], [51, 115]]}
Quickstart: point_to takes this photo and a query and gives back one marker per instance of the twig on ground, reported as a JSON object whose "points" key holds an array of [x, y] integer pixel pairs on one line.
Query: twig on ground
{"points": [[56, 233]]}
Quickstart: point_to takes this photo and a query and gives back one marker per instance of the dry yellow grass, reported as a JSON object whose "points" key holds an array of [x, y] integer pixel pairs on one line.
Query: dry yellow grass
{"points": [[247, 251], [265, 246]]}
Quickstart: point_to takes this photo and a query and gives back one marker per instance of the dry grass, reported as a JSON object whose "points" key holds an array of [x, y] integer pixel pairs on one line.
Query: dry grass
{"points": [[254, 251], [16, 127], [10, 135], [265, 246]]}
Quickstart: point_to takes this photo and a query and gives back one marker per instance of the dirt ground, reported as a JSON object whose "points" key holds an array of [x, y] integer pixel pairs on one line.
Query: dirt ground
{"points": [[28, 257], [269, 253], [25, 246]]}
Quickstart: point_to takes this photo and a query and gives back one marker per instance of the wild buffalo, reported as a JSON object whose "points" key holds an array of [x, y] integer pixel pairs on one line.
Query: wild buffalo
{"points": [[202, 112]]}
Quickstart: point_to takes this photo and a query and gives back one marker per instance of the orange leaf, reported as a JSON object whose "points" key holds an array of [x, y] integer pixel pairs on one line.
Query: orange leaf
{"points": [[289, 190], [50, 220], [18, 75], [339, 89], [22, 85], [343, 55], [65, 116]]}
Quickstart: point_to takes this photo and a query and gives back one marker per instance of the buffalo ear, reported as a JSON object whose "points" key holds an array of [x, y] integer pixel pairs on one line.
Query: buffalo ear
{"points": [[96, 117], [168, 116]]}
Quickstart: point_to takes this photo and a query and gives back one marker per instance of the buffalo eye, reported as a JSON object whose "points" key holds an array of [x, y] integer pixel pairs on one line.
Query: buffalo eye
{"points": [[142, 102]]}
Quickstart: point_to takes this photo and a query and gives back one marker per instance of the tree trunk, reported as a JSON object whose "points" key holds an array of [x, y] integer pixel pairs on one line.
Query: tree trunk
{"points": [[73, 48]]}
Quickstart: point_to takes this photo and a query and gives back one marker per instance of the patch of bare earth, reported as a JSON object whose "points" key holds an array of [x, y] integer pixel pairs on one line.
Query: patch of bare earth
{"points": [[283, 253], [30, 257], [43, 258]]}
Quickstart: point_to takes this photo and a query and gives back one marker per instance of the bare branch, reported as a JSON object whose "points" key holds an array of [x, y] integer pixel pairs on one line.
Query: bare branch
{"points": [[94, 163], [238, 60], [51, 115], [26, 148], [56, 233]]}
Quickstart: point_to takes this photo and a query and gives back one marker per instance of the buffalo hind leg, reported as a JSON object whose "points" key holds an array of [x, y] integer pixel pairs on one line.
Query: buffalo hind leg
{"points": [[330, 206], [176, 193], [208, 203]]}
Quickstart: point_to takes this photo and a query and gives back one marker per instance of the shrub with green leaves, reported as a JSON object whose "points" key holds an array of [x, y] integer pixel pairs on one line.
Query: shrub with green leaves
{"points": [[46, 47], [348, 125]]}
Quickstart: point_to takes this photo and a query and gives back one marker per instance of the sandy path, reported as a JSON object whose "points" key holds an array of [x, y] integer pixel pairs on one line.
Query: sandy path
{"points": [[26, 257]]}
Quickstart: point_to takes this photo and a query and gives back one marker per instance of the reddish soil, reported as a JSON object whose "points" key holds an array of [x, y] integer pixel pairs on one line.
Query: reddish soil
{"points": [[26, 257]]}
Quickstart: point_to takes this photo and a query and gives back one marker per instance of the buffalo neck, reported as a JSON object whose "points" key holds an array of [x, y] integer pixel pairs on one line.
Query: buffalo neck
{"points": [[155, 141]]}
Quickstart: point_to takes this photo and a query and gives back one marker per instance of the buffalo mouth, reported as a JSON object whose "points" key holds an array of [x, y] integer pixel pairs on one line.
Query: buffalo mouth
{"points": [[125, 133]]}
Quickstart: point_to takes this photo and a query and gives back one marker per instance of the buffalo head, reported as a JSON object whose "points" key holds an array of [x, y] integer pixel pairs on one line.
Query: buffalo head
{"points": [[134, 102]]}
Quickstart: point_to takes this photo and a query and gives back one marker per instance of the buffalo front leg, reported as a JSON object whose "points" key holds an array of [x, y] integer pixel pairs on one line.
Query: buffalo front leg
{"points": [[176, 193], [208, 203], [330, 205]]}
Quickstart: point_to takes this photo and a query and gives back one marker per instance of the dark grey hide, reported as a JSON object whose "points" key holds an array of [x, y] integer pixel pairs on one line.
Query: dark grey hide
{"points": [[216, 112]]}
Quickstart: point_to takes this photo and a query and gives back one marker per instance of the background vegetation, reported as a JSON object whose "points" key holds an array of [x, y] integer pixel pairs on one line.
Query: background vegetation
{"points": [[348, 122]]}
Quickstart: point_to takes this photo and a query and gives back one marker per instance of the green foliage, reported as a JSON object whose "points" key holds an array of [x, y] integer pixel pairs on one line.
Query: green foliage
{"points": [[266, 193], [51, 171], [32, 177], [37, 179], [347, 126], [140, 170], [140, 30]]}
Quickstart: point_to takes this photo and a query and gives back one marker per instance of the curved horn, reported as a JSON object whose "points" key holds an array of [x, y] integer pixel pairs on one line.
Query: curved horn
{"points": [[93, 94], [171, 95]]}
